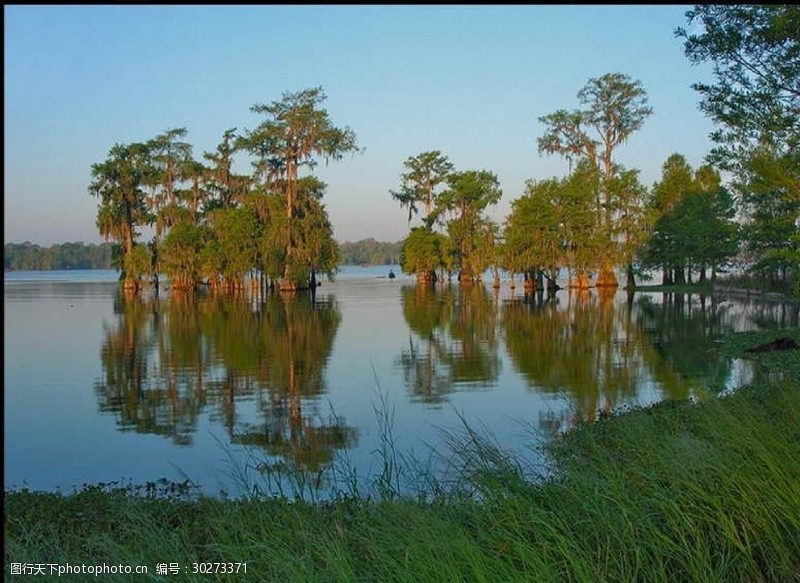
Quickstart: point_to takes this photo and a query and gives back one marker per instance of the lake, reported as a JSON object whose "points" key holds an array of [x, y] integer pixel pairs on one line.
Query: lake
{"points": [[230, 391]]}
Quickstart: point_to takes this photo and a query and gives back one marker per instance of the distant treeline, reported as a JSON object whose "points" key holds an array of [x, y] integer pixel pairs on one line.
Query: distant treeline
{"points": [[31, 257], [370, 252]]}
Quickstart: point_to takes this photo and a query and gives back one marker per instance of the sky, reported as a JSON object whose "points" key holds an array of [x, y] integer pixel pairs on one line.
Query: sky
{"points": [[470, 81]]}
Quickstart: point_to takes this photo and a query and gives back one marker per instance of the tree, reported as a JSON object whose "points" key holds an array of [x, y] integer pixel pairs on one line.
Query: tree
{"points": [[370, 252], [756, 97], [693, 222], [237, 233], [194, 197], [630, 229], [225, 187], [423, 252], [169, 157], [614, 108], [718, 235], [533, 239], [181, 254], [468, 195], [582, 232], [772, 234], [295, 132], [28, 256], [316, 249], [119, 183], [486, 250], [426, 172], [754, 102]]}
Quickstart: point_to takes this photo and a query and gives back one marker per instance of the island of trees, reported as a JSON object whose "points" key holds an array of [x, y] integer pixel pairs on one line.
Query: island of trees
{"points": [[214, 226], [597, 218]]}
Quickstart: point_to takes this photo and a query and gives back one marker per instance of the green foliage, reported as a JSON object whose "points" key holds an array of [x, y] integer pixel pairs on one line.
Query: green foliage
{"points": [[532, 234], [756, 94], [676, 180], [614, 107], [581, 219], [212, 259], [223, 227], [467, 196], [370, 252], [418, 186], [693, 221], [138, 264], [225, 187], [627, 201], [169, 158], [557, 223], [296, 131], [274, 239], [237, 234], [181, 253], [119, 183], [471, 242], [424, 251], [772, 234], [754, 103], [29, 256]]}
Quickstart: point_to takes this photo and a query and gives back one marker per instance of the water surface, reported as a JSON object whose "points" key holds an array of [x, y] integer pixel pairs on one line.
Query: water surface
{"points": [[222, 389]]}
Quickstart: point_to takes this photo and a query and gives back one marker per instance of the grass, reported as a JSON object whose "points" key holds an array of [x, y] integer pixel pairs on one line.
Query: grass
{"points": [[678, 491]]}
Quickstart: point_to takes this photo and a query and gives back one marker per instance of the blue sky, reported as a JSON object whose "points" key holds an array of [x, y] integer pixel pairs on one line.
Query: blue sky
{"points": [[468, 80]]}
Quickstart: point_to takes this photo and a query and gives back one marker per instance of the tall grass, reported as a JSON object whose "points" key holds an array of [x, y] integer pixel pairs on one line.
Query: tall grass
{"points": [[674, 492]]}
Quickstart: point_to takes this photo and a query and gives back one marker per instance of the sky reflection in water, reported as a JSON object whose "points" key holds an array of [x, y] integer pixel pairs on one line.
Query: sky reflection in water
{"points": [[100, 387]]}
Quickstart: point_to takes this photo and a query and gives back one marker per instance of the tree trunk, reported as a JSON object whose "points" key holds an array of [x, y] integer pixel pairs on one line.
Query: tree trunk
{"points": [[581, 281], [540, 280], [631, 284], [426, 277], [291, 177], [607, 277], [529, 283]]}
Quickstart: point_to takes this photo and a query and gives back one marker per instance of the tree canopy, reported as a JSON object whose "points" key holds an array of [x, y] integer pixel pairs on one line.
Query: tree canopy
{"points": [[754, 102], [215, 225], [613, 107]]}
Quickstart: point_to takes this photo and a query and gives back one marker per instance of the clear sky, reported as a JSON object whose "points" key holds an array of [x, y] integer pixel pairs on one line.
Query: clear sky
{"points": [[468, 80]]}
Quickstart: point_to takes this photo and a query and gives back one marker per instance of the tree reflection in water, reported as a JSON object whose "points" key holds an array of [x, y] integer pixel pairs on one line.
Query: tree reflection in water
{"points": [[584, 348], [257, 367], [452, 341], [603, 352]]}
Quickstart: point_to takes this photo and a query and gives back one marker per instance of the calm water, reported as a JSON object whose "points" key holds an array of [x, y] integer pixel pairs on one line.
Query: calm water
{"points": [[101, 388]]}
